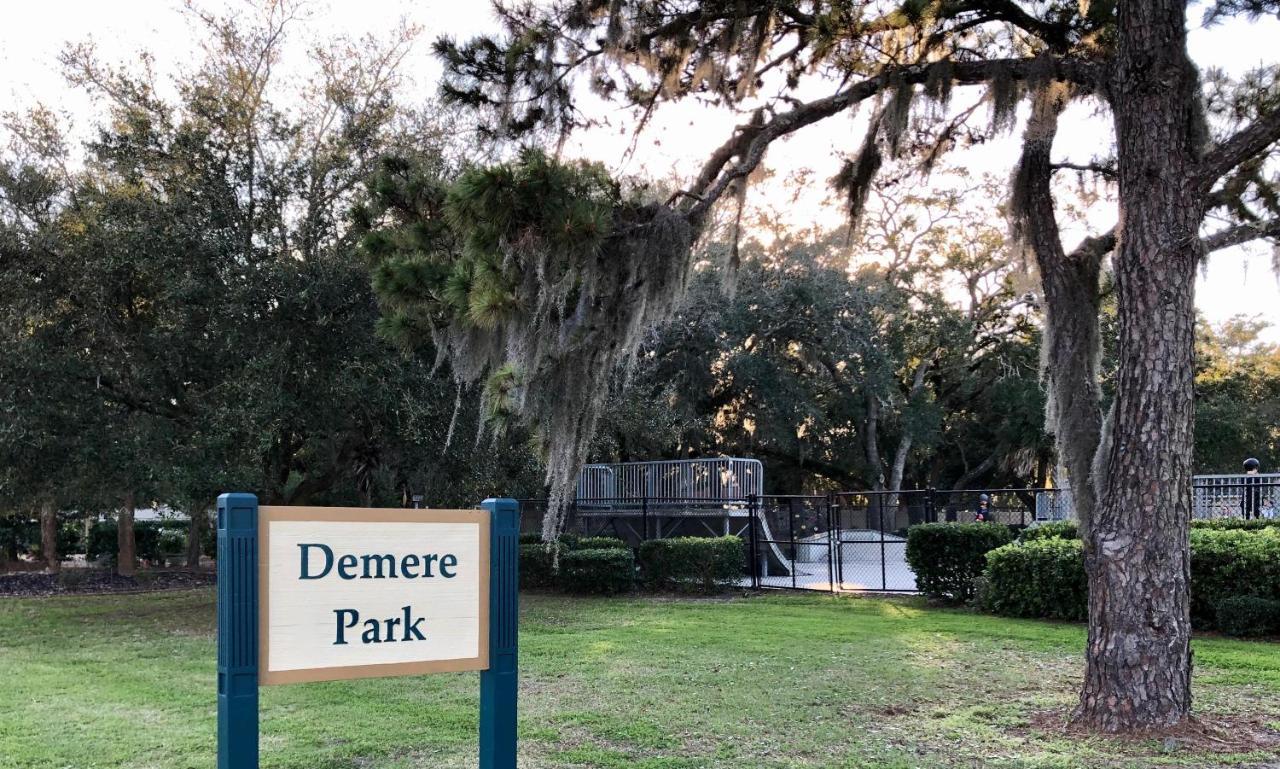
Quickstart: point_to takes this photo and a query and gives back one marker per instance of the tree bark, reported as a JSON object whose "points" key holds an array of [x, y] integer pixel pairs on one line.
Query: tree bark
{"points": [[195, 529], [49, 537], [1137, 554], [126, 546]]}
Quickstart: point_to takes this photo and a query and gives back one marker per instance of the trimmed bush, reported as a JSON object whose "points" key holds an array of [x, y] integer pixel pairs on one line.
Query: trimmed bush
{"points": [[598, 543], [1235, 524], [1249, 616], [604, 571], [1051, 530], [1040, 578], [700, 564], [531, 538], [1226, 563], [537, 565], [948, 557]]}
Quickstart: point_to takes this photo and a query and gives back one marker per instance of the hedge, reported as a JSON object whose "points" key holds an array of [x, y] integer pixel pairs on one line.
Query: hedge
{"points": [[598, 543], [1235, 524], [948, 557], [701, 564], [603, 570], [1226, 563], [1045, 577], [537, 565], [1051, 530], [1037, 578], [1249, 616]]}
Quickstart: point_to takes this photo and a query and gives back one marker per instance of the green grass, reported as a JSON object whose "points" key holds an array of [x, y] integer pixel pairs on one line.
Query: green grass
{"points": [[772, 681]]}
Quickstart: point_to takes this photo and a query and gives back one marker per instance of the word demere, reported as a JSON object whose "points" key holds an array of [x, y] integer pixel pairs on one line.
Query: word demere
{"points": [[318, 561]]}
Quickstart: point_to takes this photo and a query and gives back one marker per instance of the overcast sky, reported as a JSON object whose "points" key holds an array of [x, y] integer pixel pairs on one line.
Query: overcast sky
{"points": [[1236, 282]]}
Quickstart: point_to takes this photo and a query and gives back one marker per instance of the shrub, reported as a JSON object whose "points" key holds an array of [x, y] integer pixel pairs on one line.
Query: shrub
{"points": [[1232, 562], [701, 564], [1051, 530], [947, 557], [605, 571], [1248, 615], [598, 543], [1235, 524], [531, 538], [1040, 578], [537, 565], [146, 538]]}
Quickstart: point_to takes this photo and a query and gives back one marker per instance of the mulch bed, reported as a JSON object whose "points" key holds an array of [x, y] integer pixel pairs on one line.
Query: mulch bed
{"points": [[91, 581], [1210, 733]]}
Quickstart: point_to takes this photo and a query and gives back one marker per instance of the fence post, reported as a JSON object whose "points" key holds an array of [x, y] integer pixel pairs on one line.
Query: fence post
{"points": [[755, 550], [237, 631], [884, 576], [498, 684], [644, 517], [930, 511]]}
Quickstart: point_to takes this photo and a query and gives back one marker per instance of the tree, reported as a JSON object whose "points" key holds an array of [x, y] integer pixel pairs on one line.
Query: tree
{"points": [[1170, 163], [1237, 397], [189, 307]]}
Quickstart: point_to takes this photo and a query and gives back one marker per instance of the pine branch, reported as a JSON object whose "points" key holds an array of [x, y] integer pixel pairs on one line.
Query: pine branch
{"points": [[1243, 145], [750, 141], [1241, 233]]}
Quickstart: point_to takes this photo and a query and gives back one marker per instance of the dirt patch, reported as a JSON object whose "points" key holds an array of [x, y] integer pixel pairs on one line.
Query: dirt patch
{"points": [[96, 581], [1204, 734]]}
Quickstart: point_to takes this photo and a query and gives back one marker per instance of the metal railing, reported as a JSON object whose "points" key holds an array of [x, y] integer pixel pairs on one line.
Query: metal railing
{"points": [[713, 478], [1235, 496]]}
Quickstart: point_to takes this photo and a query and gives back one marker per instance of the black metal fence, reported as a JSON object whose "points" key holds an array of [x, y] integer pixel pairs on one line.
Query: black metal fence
{"points": [[848, 541]]}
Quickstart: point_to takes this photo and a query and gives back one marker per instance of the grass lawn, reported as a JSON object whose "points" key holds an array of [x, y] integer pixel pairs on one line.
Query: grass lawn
{"points": [[768, 681]]}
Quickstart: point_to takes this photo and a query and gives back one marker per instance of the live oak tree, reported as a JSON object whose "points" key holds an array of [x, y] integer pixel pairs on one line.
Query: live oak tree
{"points": [[184, 307], [1186, 145]]}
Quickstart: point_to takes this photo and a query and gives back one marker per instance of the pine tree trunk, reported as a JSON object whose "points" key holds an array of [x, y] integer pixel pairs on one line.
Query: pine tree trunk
{"points": [[127, 558], [1138, 671], [195, 529], [49, 537]]}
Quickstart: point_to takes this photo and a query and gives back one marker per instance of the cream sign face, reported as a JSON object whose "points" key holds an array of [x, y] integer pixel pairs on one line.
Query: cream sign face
{"points": [[360, 592]]}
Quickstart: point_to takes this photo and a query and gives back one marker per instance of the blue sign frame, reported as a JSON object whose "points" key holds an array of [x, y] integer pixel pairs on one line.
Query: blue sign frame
{"points": [[238, 635]]}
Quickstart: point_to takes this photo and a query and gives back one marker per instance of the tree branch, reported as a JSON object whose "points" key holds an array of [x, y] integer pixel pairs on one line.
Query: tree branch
{"points": [[750, 141], [1241, 233], [1244, 144]]}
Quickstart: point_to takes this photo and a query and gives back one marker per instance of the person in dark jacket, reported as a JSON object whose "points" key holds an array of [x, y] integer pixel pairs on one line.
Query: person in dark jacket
{"points": [[983, 513], [1251, 499]]}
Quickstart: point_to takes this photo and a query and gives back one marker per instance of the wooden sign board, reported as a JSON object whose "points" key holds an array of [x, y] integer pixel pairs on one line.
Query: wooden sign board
{"points": [[362, 592]]}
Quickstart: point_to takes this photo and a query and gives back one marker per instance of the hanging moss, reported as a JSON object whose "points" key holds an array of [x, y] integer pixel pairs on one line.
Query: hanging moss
{"points": [[856, 175], [896, 116], [541, 290], [1004, 92]]}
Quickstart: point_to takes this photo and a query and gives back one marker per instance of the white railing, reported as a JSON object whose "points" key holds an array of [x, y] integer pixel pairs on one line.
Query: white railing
{"points": [[710, 479], [1235, 496]]}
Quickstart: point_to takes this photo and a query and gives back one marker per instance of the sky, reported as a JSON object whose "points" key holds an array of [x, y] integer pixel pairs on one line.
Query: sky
{"points": [[1235, 282]]}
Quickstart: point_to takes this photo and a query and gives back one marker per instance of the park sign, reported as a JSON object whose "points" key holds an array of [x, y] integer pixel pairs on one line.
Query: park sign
{"points": [[354, 592], [328, 593]]}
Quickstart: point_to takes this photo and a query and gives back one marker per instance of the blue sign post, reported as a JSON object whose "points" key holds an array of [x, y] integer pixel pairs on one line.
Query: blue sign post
{"points": [[237, 631], [498, 684], [239, 639]]}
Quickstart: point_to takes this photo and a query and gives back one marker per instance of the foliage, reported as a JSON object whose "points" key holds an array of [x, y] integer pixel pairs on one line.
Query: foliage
{"points": [[1041, 578], [1231, 563], [948, 557], [1045, 577], [1237, 397], [700, 564], [534, 278], [1051, 530], [606, 571], [597, 543], [1234, 524], [1249, 616], [537, 564], [222, 334]]}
